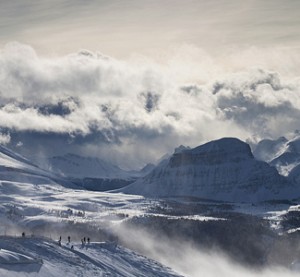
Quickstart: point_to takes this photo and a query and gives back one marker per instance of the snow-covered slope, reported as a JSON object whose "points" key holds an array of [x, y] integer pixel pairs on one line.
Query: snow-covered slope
{"points": [[222, 170], [90, 173], [147, 169], [267, 149], [11, 160], [288, 162], [44, 257], [8, 154], [15, 168], [284, 154], [76, 166]]}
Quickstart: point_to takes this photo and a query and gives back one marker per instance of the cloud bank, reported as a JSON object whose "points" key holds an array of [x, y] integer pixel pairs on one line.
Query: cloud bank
{"points": [[131, 112]]}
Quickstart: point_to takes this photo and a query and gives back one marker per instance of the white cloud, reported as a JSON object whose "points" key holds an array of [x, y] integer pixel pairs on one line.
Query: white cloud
{"points": [[4, 138], [143, 108]]}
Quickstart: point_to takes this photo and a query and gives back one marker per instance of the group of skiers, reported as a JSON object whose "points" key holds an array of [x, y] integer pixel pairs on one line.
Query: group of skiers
{"points": [[83, 241]]}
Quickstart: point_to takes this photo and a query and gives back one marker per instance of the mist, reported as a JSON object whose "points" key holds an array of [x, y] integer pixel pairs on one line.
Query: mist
{"points": [[181, 255], [189, 260]]}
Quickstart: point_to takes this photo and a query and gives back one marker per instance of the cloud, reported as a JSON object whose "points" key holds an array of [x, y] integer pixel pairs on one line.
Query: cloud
{"points": [[134, 111], [260, 100], [4, 138]]}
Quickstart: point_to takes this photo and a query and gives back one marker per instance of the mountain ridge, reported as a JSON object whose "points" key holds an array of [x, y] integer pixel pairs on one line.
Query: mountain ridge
{"points": [[223, 169]]}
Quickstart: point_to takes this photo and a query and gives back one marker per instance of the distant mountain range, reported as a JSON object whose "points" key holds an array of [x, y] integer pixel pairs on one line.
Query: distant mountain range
{"points": [[15, 168], [223, 169], [69, 170], [282, 153], [76, 166]]}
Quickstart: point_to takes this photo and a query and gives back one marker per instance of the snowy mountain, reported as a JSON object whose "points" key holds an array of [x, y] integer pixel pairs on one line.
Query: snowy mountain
{"points": [[91, 173], [69, 170], [147, 169], [283, 153], [6, 153], [76, 166], [15, 168], [224, 169], [289, 158], [267, 149]]}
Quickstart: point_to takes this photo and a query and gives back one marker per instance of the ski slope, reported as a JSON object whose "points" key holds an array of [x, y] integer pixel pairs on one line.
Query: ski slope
{"points": [[45, 258]]}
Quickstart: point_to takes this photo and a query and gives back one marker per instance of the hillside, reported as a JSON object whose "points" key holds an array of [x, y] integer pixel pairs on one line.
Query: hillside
{"points": [[44, 257], [15, 168]]}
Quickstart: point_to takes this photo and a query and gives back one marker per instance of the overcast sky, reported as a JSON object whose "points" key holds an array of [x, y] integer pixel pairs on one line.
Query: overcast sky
{"points": [[131, 80], [122, 27]]}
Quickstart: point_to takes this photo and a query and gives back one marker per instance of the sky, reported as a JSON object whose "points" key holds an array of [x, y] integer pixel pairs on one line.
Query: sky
{"points": [[128, 81], [125, 27]]}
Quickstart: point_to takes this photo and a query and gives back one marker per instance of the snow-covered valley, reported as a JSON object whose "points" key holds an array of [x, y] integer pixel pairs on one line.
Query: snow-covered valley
{"points": [[157, 229]]}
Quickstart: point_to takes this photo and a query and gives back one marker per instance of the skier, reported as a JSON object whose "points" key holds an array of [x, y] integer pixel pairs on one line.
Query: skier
{"points": [[69, 239], [88, 240]]}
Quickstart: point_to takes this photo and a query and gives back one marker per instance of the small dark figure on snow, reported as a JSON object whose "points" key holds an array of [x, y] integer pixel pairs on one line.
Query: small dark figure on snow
{"points": [[84, 239], [72, 247], [88, 240], [69, 239], [23, 235]]}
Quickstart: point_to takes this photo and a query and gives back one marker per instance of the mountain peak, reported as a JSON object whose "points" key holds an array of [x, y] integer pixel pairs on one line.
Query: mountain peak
{"points": [[223, 169], [226, 144], [213, 152], [181, 148]]}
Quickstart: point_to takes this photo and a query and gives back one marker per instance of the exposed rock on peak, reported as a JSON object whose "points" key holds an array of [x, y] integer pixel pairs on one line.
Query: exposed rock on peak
{"points": [[214, 152]]}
